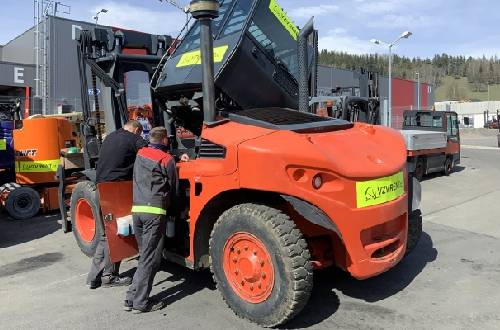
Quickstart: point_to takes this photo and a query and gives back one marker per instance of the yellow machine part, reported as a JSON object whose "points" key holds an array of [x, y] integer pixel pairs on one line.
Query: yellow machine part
{"points": [[37, 145]]}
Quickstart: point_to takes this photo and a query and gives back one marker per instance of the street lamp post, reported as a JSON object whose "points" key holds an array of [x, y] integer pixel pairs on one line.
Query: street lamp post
{"points": [[96, 17], [404, 35], [418, 90]]}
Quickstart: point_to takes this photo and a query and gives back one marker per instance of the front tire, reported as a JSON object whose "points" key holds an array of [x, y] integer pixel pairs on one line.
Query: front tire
{"points": [[22, 203], [419, 169], [261, 264], [448, 166], [86, 217]]}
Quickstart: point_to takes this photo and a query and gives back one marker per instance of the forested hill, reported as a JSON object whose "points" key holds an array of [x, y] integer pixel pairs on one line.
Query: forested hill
{"points": [[457, 77]]}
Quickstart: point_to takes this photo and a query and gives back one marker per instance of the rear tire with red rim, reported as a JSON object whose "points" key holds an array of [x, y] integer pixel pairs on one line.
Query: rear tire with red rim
{"points": [[86, 217], [261, 264]]}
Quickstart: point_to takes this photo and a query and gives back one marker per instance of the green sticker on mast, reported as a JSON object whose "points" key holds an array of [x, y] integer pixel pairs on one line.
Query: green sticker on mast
{"points": [[284, 19]]}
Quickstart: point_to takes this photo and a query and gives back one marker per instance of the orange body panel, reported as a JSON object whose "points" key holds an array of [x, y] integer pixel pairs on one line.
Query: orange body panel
{"points": [[285, 162], [38, 145], [266, 159], [50, 199], [116, 199]]}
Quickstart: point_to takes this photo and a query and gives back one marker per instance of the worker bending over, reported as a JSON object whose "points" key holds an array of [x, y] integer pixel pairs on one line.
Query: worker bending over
{"points": [[154, 185], [116, 163]]}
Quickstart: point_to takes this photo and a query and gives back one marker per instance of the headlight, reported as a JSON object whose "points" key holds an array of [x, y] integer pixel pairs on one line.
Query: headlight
{"points": [[416, 195]]}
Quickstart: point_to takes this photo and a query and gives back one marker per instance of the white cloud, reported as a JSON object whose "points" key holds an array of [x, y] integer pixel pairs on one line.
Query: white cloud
{"points": [[414, 21], [123, 15], [307, 12], [339, 40], [378, 7]]}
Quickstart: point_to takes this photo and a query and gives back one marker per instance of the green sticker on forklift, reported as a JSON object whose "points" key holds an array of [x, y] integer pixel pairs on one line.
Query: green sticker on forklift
{"points": [[3, 144], [379, 191], [284, 19], [37, 166], [194, 57]]}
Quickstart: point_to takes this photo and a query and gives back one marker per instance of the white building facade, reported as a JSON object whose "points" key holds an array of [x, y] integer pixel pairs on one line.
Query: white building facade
{"points": [[471, 114]]}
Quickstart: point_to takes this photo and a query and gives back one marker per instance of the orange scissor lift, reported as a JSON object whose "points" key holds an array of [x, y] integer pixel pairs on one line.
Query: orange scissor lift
{"points": [[37, 145]]}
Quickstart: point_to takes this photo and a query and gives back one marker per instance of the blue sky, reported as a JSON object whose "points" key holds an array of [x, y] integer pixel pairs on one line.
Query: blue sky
{"points": [[458, 27]]}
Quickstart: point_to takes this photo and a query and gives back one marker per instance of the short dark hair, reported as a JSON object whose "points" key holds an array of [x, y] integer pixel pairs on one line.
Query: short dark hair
{"points": [[134, 124], [157, 134]]}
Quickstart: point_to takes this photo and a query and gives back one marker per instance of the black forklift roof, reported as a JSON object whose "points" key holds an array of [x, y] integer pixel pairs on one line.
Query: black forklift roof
{"points": [[254, 40]]}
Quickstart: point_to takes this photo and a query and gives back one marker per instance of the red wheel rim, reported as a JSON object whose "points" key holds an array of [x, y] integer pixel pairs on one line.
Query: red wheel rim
{"points": [[248, 267], [85, 221]]}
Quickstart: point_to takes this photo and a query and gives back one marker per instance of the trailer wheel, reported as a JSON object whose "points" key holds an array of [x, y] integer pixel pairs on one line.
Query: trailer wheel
{"points": [[448, 166], [419, 169], [22, 203], [86, 217], [261, 264], [414, 230]]}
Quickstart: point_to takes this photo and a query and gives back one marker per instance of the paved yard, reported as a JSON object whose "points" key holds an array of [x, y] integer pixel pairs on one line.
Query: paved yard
{"points": [[451, 280]]}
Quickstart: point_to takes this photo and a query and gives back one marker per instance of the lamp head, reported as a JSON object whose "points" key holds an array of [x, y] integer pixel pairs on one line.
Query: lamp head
{"points": [[406, 34]]}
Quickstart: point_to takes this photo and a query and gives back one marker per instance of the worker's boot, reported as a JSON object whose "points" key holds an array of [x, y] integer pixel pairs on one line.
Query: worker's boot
{"points": [[112, 281]]}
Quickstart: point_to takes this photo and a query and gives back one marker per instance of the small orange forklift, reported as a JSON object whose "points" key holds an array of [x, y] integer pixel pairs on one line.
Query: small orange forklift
{"points": [[271, 193]]}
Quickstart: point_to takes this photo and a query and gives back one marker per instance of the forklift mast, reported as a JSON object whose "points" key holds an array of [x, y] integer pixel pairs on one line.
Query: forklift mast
{"points": [[105, 57]]}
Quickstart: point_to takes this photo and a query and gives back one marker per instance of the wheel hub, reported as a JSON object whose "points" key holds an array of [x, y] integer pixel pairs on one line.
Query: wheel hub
{"points": [[248, 267], [23, 201]]}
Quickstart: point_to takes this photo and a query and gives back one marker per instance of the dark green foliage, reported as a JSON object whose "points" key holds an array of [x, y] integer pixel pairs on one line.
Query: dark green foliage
{"points": [[479, 71]]}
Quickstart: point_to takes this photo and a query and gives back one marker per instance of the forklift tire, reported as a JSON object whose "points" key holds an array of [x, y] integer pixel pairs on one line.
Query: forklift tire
{"points": [[261, 264], [448, 166], [22, 203], [414, 230], [419, 169], [86, 217]]}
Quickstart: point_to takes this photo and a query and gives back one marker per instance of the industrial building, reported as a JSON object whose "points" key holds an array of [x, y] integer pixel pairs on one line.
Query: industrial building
{"points": [[471, 114], [59, 86]]}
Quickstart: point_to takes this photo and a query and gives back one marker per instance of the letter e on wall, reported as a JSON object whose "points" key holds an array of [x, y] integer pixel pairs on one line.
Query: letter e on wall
{"points": [[19, 75]]}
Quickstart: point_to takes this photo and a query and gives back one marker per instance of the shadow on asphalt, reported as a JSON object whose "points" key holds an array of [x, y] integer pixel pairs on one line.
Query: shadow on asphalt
{"points": [[190, 283], [324, 301], [393, 281], [30, 264], [13, 232]]}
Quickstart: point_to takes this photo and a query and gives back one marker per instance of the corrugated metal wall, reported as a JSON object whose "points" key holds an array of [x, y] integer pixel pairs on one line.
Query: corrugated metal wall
{"points": [[65, 81]]}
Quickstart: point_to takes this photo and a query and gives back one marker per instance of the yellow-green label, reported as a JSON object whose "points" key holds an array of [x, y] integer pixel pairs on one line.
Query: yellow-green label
{"points": [[284, 19], [379, 191], [194, 57], [3, 144], [37, 166]]}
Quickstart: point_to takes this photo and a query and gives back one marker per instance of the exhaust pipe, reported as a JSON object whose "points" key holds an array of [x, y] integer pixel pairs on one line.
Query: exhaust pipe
{"points": [[204, 11], [303, 65]]}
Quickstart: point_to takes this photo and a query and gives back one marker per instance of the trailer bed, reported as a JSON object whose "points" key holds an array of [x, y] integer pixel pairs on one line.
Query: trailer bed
{"points": [[424, 140]]}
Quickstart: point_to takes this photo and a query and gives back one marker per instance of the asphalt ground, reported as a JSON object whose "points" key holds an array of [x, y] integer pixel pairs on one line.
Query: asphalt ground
{"points": [[450, 281]]}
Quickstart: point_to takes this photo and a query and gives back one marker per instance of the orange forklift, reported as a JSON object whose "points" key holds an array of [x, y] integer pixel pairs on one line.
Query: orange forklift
{"points": [[271, 193]]}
